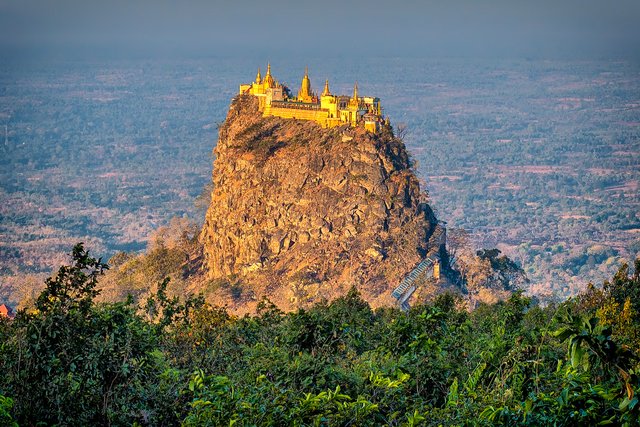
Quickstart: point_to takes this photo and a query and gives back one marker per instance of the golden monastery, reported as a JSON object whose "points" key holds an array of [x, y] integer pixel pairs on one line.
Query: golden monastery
{"points": [[328, 110]]}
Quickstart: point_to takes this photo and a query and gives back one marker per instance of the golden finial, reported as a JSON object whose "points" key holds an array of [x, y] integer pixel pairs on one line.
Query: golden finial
{"points": [[268, 79], [326, 92], [258, 77], [304, 94], [355, 91]]}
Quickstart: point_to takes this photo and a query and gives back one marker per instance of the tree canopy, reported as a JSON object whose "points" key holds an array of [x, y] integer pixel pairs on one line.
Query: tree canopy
{"points": [[71, 361]]}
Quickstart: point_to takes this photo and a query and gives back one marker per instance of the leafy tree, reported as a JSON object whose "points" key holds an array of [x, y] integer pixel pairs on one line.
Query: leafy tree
{"points": [[72, 361], [6, 419], [68, 362]]}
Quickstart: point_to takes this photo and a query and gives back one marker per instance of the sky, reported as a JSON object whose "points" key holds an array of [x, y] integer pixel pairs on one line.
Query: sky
{"points": [[508, 28]]}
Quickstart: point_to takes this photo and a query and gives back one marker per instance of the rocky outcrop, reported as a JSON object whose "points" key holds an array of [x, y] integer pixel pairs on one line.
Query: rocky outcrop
{"points": [[299, 213]]}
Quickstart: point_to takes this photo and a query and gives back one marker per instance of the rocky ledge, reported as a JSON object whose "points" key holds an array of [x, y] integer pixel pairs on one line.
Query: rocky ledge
{"points": [[300, 214]]}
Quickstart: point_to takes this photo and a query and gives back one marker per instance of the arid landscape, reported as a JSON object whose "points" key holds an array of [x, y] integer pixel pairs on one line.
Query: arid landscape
{"points": [[537, 158]]}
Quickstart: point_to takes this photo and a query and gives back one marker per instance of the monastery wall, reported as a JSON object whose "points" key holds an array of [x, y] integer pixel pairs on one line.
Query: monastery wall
{"points": [[318, 116]]}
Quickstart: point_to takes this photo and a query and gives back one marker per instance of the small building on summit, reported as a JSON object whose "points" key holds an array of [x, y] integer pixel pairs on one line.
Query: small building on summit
{"points": [[328, 110]]}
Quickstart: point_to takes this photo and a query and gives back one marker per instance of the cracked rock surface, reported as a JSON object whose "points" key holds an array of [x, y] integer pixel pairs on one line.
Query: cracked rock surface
{"points": [[300, 214]]}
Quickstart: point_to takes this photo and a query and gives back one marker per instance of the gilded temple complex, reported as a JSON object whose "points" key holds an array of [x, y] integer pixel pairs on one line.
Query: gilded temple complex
{"points": [[328, 110]]}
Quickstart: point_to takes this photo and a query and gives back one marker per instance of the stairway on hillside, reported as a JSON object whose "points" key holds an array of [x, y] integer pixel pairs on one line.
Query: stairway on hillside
{"points": [[407, 287]]}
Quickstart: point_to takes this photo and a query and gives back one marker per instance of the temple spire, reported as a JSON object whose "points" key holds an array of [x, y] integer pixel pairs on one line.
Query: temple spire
{"points": [[355, 101], [326, 91], [268, 79], [258, 77], [305, 94]]}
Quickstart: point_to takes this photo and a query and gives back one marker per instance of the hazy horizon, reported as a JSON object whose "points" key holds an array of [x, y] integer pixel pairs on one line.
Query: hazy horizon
{"points": [[544, 29]]}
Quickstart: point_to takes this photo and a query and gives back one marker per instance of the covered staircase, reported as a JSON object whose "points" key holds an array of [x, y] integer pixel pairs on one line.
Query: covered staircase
{"points": [[408, 286]]}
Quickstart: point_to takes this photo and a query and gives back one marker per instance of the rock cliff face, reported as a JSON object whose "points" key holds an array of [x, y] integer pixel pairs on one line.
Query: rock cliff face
{"points": [[299, 213]]}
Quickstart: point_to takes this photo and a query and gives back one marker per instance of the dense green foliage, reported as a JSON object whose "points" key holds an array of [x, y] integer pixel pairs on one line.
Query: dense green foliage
{"points": [[71, 361]]}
